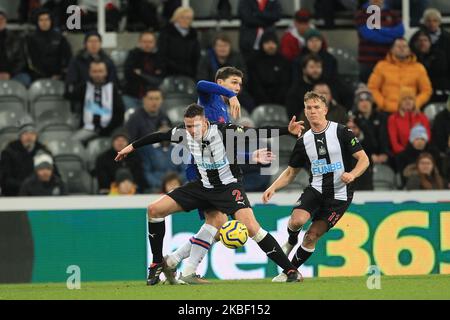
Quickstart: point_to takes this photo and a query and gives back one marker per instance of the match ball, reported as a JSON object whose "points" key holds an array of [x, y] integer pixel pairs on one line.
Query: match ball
{"points": [[233, 234]]}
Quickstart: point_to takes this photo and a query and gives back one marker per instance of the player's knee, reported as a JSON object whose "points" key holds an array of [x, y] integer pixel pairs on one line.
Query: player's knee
{"points": [[311, 238], [253, 228], [297, 221], [152, 211], [216, 219]]}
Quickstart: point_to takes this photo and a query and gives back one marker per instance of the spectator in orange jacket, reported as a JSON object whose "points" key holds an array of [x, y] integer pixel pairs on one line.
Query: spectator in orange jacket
{"points": [[407, 117], [399, 69]]}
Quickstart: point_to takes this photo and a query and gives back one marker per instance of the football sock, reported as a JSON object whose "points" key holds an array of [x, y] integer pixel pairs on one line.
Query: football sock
{"points": [[181, 253], [201, 243], [301, 256], [156, 231], [273, 250], [293, 236]]}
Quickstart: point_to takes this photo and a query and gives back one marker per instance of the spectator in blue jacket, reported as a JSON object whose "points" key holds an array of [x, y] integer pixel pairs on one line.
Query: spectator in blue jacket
{"points": [[375, 43]]}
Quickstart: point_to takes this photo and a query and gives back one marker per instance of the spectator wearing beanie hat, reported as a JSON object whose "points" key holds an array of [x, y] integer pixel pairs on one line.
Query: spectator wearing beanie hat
{"points": [[373, 125], [43, 181], [315, 44], [269, 72], [293, 41], [78, 71], [418, 142], [401, 122], [16, 162]]}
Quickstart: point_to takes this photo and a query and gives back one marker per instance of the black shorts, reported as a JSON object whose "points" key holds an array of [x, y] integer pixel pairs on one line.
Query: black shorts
{"points": [[227, 199], [322, 208]]}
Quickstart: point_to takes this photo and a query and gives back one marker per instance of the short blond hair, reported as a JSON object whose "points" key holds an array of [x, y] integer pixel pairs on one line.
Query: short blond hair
{"points": [[430, 13], [180, 11], [311, 95]]}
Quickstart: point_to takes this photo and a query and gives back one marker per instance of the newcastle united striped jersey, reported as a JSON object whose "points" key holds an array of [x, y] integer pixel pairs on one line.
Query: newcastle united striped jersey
{"points": [[327, 155], [215, 165]]}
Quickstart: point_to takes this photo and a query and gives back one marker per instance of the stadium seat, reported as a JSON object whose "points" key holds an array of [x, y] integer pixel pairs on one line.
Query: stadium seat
{"points": [[46, 88], [67, 150], [182, 102], [43, 105], [204, 9], [55, 134], [94, 149], [433, 109], [77, 181], [55, 118], [182, 85], [67, 164], [13, 119], [13, 92], [270, 115], [176, 114], [288, 8], [347, 63], [118, 56], [383, 177], [442, 5], [128, 114]]}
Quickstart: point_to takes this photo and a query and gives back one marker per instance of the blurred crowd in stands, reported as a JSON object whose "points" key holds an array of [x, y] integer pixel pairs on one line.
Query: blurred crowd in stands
{"points": [[398, 106]]}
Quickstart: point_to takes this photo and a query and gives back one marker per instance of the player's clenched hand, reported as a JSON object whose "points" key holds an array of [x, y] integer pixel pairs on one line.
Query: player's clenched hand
{"points": [[347, 177], [235, 107], [263, 156], [268, 194], [296, 128], [122, 154]]}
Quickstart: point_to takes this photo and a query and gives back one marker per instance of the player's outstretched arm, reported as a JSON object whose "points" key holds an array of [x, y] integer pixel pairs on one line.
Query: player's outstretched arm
{"points": [[283, 180], [360, 167], [122, 154], [151, 138]]}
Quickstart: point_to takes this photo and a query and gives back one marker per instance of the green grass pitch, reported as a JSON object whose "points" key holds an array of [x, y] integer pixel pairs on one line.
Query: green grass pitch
{"points": [[412, 287]]}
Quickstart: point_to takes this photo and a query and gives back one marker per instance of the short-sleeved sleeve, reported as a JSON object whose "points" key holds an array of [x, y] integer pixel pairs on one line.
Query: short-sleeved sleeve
{"points": [[298, 156], [349, 141]]}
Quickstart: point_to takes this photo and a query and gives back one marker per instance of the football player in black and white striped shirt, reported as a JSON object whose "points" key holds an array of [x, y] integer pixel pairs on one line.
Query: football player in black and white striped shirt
{"points": [[216, 153], [329, 151]]}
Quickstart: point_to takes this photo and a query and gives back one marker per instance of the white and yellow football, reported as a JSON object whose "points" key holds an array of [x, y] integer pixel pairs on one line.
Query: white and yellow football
{"points": [[233, 234]]}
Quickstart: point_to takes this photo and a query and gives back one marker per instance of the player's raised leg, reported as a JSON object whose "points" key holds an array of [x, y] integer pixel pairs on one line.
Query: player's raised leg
{"points": [[156, 212], [268, 244], [315, 232], [200, 244], [298, 219]]}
